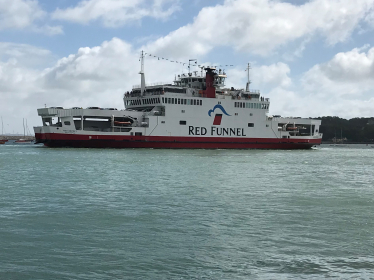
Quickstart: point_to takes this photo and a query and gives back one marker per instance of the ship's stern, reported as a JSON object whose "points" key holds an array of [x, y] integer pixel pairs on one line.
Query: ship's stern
{"points": [[40, 136]]}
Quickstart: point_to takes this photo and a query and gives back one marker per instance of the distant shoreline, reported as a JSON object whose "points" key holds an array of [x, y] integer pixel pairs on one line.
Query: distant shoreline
{"points": [[16, 137]]}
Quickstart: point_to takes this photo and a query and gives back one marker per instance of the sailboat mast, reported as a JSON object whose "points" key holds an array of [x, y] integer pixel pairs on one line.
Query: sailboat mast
{"points": [[23, 122]]}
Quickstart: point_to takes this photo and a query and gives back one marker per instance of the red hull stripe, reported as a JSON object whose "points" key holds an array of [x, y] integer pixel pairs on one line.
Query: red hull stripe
{"points": [[171, 142]]}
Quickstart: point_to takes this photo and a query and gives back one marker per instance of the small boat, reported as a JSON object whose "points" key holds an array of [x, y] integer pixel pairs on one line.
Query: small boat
{"points": [[2, 142], [24, 141]]}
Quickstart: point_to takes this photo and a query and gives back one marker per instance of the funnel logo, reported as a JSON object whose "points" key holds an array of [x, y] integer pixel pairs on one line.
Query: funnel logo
{"points": [[218, 117]]}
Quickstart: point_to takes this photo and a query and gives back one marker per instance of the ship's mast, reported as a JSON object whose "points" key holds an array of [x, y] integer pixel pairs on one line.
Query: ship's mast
{"points": [[142, 78], [248, 82], [189, 66]]}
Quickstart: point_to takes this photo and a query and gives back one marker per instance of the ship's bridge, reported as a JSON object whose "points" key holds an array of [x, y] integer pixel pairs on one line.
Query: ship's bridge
{"points": [[194, 80]]}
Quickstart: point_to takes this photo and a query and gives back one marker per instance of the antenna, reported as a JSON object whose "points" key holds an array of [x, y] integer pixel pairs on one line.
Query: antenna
{"points": [[248, 82], [142, 78]]}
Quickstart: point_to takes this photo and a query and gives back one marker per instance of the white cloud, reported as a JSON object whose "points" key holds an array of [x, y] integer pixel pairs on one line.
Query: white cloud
{"points": [[346, 73], [274, 75], [95, 76], [21, 14], [261, 26], [343, 86], [114, 13], [98, 76], [264, 77], [25, 55], [48, 30]]}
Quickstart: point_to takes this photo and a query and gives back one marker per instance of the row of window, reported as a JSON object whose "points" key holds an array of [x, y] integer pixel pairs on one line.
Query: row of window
{"points": [[183, 101], [251, 105], [133, 102], [167, 100], [153, 100]]}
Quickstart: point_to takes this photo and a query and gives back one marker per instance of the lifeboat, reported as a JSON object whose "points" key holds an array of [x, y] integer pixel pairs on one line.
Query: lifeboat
{"points": [[121, 123]]}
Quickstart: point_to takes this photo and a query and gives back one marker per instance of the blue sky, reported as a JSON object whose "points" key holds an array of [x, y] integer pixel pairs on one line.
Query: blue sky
{"points": [[312, 58]]}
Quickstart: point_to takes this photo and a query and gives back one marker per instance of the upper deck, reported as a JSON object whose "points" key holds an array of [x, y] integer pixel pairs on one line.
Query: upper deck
{"points": [[191, 85]]}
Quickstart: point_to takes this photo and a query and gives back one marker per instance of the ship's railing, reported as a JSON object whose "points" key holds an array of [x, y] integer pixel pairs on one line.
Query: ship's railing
{"points": [[250, 97], [151, 85]]}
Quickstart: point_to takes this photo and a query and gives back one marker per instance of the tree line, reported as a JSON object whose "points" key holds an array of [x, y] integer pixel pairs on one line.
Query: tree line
{"points": [[353, 130]]}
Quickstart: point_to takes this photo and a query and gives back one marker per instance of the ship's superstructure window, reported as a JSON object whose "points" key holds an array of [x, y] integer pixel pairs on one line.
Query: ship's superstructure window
{"points": [[251, 124], [167, 100], [66, 123], [182, 122], [251, 105]]}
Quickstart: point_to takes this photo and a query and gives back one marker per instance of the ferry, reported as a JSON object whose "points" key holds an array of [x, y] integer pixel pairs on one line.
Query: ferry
{"points": [[196, 111]]}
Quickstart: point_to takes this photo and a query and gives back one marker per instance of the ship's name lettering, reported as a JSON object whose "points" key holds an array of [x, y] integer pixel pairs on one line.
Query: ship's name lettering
{"points": [[215, 131]]}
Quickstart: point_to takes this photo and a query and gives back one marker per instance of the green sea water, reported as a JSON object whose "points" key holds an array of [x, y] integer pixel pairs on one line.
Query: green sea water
{"points": [[186, 214]]}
